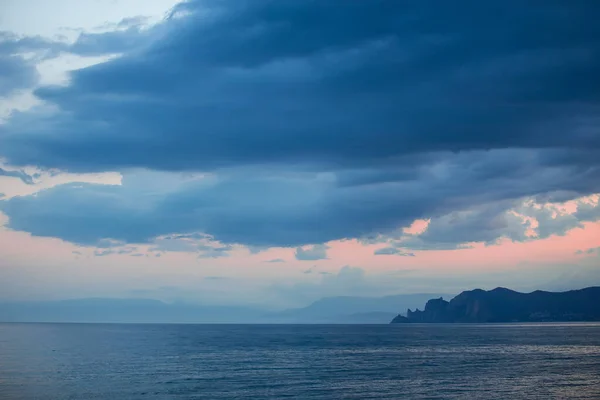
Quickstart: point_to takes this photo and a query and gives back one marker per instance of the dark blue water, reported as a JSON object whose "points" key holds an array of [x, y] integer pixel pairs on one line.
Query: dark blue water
{"points": [[72, 361]]}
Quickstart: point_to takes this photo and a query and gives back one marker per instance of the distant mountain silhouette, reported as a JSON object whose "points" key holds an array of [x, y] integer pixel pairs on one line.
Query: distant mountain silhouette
{"points": [[329, 310], [124, 311], [504, 305], [351, 309]]}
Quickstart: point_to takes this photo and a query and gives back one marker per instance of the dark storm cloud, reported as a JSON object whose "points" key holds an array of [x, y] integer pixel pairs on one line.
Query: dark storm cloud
{"points": [[354, 118], [334, 82], [279, 210]]}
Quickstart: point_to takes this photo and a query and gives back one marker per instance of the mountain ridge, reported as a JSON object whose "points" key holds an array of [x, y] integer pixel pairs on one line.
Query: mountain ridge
{"points": [[351, 308], [336, 310], [506, 305]]}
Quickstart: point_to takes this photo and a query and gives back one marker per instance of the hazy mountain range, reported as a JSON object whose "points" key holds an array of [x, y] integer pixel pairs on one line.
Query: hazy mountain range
{"points": [[345, 309], [349, 309]]}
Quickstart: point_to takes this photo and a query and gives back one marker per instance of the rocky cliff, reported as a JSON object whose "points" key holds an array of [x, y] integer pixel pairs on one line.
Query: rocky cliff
{"points": [[504, 305]]}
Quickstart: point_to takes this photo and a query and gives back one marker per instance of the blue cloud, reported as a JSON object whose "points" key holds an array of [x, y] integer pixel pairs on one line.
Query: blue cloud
{"points": [[262, 208], [16, 73], [42, 48], [24, 177], [392, 251], [312, 253], [214, 251], [212, 89], [191, 243], [313, 127], [109, 251]]}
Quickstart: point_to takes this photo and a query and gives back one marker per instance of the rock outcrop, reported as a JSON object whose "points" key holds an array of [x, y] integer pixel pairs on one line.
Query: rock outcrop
{"points": [[504, 305]]}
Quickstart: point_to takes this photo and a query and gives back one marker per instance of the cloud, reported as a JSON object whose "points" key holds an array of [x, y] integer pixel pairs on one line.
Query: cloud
{"points": [[174, 244], [15, 74], [290, 208], [101, 253], [276, 260], [214, 251], [312, 253], [388, 251], [592, 250], [42, 48], [18, 58], [588, 209], [312, 87], [113, 42], [114, 250], [309, 128], [107, 243], [191, 243], [126, 23], [519, 221], [24, 177]]}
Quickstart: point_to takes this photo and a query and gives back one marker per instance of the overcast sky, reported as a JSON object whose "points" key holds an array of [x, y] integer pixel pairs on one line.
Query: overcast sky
{"points": [[276, 152]]}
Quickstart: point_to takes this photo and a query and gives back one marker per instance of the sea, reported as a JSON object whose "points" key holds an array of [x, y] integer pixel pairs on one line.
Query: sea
{"points": [[121, 361]]}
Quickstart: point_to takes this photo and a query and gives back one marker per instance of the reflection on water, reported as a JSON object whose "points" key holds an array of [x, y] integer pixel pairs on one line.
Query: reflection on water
{"points": [[72, 361]]}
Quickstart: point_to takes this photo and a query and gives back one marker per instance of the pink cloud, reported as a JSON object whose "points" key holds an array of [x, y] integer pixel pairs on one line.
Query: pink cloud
{"points": [[417, 227], [479, 257]]}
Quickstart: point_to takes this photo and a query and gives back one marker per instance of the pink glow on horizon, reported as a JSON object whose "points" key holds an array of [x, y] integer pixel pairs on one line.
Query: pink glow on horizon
{"points": [[21, 249], [346, 252]]}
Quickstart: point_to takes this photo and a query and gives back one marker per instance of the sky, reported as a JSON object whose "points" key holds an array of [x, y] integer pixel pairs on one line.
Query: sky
{"points": [[274, 153]]}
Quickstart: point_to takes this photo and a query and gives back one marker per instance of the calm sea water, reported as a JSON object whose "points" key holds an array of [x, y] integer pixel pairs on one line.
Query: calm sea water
{"points": [[79, 361]]}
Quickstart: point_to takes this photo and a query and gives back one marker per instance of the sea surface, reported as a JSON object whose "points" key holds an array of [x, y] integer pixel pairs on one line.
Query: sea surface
{"points": [[106, 361]]}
